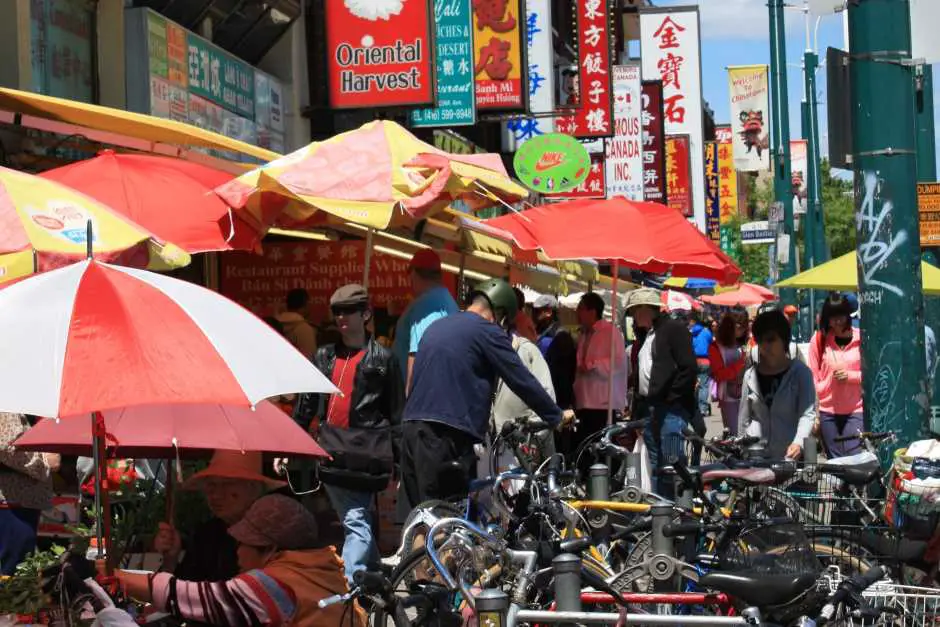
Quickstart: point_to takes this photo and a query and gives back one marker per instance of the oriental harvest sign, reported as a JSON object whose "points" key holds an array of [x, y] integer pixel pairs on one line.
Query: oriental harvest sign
{"points": [[379, 53]]}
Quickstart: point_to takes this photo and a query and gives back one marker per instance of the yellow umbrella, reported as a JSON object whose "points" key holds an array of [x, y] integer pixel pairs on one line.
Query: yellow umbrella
{"points": [[364, 176], [841, 274], [45, 225]]}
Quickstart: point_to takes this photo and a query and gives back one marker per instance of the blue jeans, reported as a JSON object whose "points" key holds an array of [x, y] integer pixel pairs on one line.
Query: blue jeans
{"points": [[356, 511], [665, 443], [703, 389], [17, 536]]}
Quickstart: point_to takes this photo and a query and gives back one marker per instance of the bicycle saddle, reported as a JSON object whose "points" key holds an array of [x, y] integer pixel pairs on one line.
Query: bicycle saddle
{"points": [[756, 476], [759, 589], [852, 475]]}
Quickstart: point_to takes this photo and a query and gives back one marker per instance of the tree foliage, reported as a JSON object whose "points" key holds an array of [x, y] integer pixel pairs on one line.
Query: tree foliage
{"points": [[838, 212]]}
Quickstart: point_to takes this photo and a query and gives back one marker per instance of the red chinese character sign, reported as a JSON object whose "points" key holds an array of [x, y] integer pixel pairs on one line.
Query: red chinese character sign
{"points": [[669, 50], [379, 53], [594, 186], [594, 114], [678, 186], [654, 142], [498, 56]]}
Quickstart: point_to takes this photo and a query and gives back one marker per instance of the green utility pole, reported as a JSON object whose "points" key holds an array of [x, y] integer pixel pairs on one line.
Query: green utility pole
{"points": [[814, 209], [889, 277], [780, 154], [808, 300], [927, 173]]}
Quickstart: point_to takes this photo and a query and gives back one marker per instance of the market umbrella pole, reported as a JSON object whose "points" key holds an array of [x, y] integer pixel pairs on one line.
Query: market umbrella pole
{"points": [[96, 454], [613, 345], [365, 270]]}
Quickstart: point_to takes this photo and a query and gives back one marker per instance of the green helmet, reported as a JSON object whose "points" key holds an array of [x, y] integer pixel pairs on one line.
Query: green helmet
{"points": [[500, 295]]}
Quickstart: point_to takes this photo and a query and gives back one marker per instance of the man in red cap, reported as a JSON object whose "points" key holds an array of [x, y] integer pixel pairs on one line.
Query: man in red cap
{"points": [[432, 302]]}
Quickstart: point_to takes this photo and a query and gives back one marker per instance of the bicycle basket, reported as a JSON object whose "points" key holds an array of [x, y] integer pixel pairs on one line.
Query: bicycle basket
{"points": [[770, 547], [913, 500]]}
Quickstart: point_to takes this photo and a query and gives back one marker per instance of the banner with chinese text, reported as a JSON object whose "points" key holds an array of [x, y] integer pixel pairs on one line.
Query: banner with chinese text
{"points": [[594, 113], [540, 55], [727, 175], [498, 56], [670, 52], [654, 143], [594, 186], [624, 151], [798, 169], [712, 193], [456, 97], [379, 54], [750, 117], [678, 186]]}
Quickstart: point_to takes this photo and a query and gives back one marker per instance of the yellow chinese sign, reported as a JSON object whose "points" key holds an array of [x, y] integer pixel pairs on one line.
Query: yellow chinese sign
{"points": [[498, 55], [727, 176], [928, 206]]}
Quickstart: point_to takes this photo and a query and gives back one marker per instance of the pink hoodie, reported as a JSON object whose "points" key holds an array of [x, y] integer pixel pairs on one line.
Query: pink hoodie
{"points": [[837, 397]]}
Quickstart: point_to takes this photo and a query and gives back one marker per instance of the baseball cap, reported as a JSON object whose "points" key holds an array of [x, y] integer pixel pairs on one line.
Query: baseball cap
{"points": [[352, 295], [425, 259], [545, 301], [278, 521], [790, 310]]}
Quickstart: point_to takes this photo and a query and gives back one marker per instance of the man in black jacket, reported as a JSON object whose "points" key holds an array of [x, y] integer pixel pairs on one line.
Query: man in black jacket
{"points": [[359, 429], [666, 380]]}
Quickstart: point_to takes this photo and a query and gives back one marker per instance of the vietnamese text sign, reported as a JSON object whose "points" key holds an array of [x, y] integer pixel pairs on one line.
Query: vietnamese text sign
{"points": [[624, 151], [798, 170], [654, 142], [670, 52], [928, 206], [498, 55], [592, 187], [727, 175], [259, 282], [759, 232], [750, 117], [713, 193], [379, 53], [678, 186], [456, 97], [219, 77], [592, 118], [541, 78]]}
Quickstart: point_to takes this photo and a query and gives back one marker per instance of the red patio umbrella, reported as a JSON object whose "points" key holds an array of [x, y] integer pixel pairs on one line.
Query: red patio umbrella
{"points": [[745, 294], [171, 198]]}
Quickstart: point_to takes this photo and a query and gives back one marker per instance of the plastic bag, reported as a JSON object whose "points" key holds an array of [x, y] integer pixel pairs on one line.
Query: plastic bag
{"points": [[646, 469]]}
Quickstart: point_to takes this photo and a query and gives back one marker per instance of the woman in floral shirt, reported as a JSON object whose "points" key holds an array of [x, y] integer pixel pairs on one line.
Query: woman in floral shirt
{"points": [[25, 490]]}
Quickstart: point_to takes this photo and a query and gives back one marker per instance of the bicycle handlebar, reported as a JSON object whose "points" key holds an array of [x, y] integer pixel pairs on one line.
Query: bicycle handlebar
{"points": [[851, 586], [865, 435]]}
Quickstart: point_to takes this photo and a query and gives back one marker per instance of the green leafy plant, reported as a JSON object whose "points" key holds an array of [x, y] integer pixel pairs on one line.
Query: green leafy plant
{"points": [[21, 593]]}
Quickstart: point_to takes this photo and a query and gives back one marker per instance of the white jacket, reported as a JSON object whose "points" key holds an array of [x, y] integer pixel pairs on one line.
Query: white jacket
{"points": [[594, 368]]}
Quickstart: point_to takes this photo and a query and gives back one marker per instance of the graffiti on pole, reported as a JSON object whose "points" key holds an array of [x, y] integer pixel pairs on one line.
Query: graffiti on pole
{"points": [[878, 245]]}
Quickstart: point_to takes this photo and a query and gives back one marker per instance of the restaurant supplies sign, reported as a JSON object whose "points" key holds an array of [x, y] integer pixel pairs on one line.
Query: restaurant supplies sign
{"points": [[670, 52], [624, 151], [678, 185], [750, 117], [379, 53], [654, 142], [594, 186], [456, 98], [499, 57], [594, 115], [928, 206], [712, 193]]}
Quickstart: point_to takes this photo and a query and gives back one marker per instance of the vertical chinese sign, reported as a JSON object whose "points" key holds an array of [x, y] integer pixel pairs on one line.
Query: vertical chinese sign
{"points": [[498, 56], [678, 186], [798, 165], [654, 143], [379, 54], [712, 193], [624, 151], [670, 52], [594, 186], [593, 117], [540, 54], [728, 180], [61, 32], [456, 97], [750, 117]]}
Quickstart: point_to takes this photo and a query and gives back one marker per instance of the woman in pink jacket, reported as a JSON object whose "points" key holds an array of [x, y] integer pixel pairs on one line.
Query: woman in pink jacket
{"points": [[836, 361]]}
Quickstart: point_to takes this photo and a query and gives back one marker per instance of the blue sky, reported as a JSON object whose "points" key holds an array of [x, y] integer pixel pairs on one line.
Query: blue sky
{"points": [[736, 32]]}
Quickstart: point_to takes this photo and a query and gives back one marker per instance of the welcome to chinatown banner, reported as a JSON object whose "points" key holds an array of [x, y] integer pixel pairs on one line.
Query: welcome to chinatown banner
{"points": [[750, 117]]}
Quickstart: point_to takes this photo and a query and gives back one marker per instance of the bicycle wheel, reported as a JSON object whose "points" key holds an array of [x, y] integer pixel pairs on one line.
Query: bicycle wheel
{"points": [[418, 522], [414, 567]]}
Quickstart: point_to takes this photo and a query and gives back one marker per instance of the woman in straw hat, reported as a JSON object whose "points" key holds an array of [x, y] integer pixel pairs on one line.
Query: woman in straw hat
{"points": [[231, 483], [284, 574]]}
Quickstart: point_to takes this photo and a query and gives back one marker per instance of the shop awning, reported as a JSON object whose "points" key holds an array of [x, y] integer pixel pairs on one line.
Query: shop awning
{"points": [[136, 125]]}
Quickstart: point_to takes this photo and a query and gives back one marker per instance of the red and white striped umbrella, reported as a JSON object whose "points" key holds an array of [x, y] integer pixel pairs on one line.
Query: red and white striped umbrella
{"points": [[93, 337]]}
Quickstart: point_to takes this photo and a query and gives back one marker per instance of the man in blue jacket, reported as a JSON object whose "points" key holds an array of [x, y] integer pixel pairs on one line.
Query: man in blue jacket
{"points": [[448, 410], [701, 340]]}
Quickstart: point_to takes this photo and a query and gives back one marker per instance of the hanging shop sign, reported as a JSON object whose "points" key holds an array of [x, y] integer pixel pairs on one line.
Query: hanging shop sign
{"points": [[259, 282], [219, 77], [379, 54], [624, 151], [593, 117], [455, 94], [61, 51], [594, 186], [552, 163], [499, 57], [712, 193], [670, 52], [540, 55], [750, 117], [678, 186], [928, 207], [727, 175], [798, 170], [654, 142]]}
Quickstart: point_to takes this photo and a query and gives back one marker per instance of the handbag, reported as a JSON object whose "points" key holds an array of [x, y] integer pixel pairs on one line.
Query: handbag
{"points": [[360, 450]]}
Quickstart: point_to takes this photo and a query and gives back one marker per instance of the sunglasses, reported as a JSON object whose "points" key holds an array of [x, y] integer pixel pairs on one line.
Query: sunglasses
{"points": [[346, 311]]}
